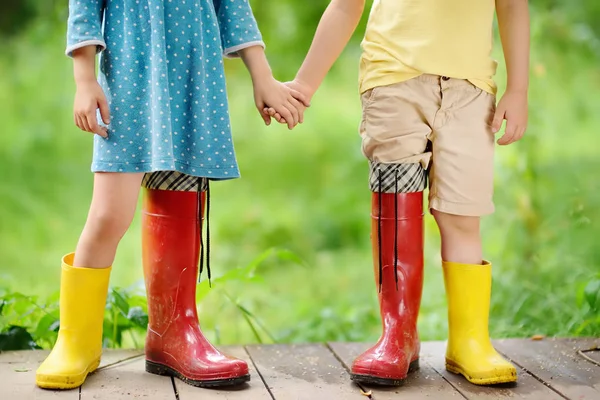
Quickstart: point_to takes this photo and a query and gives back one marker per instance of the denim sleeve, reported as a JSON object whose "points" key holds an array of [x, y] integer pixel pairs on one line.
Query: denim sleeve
{"points": [[85, 25], [238, 26]]}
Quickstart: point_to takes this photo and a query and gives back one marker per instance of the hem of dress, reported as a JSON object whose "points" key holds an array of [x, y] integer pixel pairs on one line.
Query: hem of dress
{"points": [[209, 172], [232, 52], [100, 46]]}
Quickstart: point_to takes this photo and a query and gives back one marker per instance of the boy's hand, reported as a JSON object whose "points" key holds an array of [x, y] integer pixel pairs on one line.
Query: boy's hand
{"points": [[290, 104], [512, 108], [296, 87], [89, 98]]}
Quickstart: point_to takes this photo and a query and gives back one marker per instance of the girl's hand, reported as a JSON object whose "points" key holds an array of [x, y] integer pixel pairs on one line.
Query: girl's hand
{"points": [[289, 103], [88, 98], [296, 87]]}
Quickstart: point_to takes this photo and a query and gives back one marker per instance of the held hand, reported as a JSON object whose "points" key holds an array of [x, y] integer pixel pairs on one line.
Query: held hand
{"points": [[297, 87], [290, 104], [512, 108], [88, 99]]}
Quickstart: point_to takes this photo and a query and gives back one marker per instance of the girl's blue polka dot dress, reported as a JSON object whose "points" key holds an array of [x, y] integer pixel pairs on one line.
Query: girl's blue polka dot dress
{"points": [[161, 68]]}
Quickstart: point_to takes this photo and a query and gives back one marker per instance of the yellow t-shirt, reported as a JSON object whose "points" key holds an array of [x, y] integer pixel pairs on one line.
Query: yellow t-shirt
{"points": [[407, 38]]}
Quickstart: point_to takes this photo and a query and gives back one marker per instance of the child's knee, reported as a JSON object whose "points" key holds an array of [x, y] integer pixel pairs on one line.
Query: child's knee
{"points": [[108, 225], [456, 224]]}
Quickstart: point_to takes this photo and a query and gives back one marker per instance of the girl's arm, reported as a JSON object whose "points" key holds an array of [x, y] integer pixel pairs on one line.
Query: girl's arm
{"points": [[84, 41], [513, 21], [238, 26], [85, 25], [241, 37], [333, 34]]}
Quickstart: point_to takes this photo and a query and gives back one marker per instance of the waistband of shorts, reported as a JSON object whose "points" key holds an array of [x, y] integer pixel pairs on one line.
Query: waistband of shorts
{"points": [[439, 79]]}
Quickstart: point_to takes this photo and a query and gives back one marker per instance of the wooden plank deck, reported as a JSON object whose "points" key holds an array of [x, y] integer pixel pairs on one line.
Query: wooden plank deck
{"points": [[549, 369]]}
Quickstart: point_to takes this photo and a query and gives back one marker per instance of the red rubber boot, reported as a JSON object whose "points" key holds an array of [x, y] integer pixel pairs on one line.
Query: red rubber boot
{"points": [[396, 229], [175, 346]]}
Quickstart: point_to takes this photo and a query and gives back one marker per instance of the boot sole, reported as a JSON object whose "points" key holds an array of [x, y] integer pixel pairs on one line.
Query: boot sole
{"points": [[451, 366], [163, 370], [378, 381], [59, 382]]}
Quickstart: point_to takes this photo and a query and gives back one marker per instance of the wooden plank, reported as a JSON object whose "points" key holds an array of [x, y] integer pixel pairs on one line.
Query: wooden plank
{"points": [[594, 355], [303, 372], [23, 356], [126, 380], [556, 363], [528, 387], [17, 378], [425, 383], [589, 346], [255, 390]]}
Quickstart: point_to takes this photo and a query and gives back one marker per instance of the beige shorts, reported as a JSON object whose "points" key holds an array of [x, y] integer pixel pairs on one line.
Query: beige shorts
{"points": [[443, 125]]}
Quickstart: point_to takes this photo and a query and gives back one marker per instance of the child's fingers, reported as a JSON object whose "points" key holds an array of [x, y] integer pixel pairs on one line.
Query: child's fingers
{"points": [[104, 111], [265, 116], [509, 134], [92, 123], [300, 107], [295, 115], [270, 111], [301, 97], [84, 122], [274, 114], [287, 116], [513, 134], [278, 117]]}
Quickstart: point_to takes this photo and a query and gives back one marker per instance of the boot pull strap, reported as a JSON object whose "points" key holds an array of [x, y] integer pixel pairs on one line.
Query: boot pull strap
{"points": [[379, 177], [200, 226], [208, 231], [396, 226]]}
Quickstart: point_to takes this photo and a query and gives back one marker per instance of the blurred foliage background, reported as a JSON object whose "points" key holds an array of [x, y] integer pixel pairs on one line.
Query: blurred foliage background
{"points": [[291, 238]]}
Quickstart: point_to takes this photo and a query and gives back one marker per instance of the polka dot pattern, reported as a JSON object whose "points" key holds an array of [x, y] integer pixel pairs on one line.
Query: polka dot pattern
{"points": [[163, 76]]}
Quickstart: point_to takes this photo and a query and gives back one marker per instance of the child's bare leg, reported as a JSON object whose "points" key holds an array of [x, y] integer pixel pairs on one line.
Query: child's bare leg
{"points": [[461, 239], [111, 212]]}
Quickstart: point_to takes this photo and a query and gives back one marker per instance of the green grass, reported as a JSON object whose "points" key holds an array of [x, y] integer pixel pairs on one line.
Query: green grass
{"points": [[306, 191]]}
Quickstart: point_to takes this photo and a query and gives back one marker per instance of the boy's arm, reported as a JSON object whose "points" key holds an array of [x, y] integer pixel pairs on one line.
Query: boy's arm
{"points": [[335, 29], [513, 21], [241, 37]]}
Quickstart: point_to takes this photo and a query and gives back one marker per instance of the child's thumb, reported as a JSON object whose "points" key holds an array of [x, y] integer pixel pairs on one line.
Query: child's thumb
{"points": [[498, 118]]}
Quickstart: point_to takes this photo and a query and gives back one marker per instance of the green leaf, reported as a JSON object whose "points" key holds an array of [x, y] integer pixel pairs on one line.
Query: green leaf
{"points": [[138, 317], [288, 255], [120, 302], [592, 295], [17, 338], [46, 324], [244, 274], [254, 264]]}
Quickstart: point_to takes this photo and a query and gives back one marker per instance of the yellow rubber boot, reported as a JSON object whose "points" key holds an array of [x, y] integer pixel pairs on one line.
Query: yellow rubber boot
{"points": [[79, 346], [470, 351]]}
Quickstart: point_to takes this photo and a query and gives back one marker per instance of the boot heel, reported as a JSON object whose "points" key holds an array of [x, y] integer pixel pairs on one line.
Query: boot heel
{"points": [[94, 366], [157, 369], [453, 367], [414, 366]]}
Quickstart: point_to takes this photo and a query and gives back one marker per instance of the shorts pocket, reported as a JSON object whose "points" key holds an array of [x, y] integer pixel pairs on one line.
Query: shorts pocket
{"points": [[368, 97]]}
